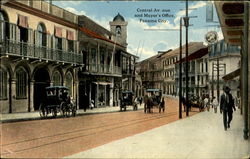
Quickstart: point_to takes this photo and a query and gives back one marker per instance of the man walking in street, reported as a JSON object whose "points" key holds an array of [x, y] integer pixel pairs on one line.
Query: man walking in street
{"points": [[226, 107]]}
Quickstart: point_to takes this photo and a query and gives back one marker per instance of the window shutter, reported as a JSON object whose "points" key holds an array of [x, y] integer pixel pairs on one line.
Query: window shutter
{"points": [[48, 36], [17, 34], [30, 36], [64, 44]]}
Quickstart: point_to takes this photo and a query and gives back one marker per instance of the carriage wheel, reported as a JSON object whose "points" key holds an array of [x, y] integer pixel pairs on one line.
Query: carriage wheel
{"points": [[42, 111]]}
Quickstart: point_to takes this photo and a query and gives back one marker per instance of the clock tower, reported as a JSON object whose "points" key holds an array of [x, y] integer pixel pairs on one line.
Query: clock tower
{"points": [[119, 28]]}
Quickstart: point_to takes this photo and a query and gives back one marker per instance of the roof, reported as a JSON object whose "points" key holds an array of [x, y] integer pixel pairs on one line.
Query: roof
{"points": [[119, 17], [231, 75], [195, 55], [57, 87], [96, 35]]}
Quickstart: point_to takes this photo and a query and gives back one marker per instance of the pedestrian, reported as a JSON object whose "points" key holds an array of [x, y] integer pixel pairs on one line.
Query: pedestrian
{"points": [[85, 98], [92, 104], [140, 100], [226, 107], [206, 103], [162, 105], [215, 104]]}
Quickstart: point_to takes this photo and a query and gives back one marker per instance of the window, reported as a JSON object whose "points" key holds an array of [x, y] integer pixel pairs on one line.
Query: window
{"points": [[4, 26], [41, 35], [21, 83], [69, 82], [70, 46], [57, 79], [3, 84], [58, 43], [118, 30]]}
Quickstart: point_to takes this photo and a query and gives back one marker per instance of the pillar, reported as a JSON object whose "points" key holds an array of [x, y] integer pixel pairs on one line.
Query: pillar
{"points": [[13, 94], [32, 95]]}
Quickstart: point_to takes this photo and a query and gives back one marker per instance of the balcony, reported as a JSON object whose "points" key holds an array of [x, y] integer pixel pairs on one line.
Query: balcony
{"points": [[104, 69], [29, 51]]}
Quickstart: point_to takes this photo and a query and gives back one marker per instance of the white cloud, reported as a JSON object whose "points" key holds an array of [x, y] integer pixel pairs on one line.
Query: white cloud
{"points": [[73, 10], [182, 13]]}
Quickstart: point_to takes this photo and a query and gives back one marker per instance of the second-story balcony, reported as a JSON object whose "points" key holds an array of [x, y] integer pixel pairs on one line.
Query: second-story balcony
{"points": [[104, 69], [33, 52]]}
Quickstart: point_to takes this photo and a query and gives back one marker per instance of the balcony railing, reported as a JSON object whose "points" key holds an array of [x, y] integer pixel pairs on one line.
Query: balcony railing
{"points": [[105, 69], [26, 50]]}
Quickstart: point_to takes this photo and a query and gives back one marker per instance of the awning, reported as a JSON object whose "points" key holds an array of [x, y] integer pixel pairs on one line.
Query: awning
{"points": [[197, 54], [70, 35], [58, 31], [231, 75], [23, 21]]}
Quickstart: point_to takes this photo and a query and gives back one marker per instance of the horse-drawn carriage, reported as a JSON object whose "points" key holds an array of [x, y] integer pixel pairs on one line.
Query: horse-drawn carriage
{"points": [[57, 101], [127, 100], [153, 98]]}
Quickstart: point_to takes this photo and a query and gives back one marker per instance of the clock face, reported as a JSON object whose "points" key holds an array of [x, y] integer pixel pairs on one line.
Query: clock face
{"points": [[211, 37]]}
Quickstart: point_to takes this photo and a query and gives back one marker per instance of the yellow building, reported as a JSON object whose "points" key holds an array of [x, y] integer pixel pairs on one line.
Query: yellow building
{"points": [[39, 48]]}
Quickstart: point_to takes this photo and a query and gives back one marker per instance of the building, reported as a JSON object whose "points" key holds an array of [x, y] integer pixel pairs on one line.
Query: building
{"points": [[39, 48], [197, 70], [151, 72], [234, 17], [108, 67], [226, 57], [44, 45]]}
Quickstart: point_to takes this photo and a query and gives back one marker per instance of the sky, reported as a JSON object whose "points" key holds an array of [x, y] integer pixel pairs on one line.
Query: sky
{"points": [[146, 36]]}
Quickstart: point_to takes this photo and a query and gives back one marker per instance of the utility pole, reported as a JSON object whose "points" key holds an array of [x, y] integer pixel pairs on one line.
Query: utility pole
{"points": [[245, 70], [218, 78], [180, 72], [186, 23], [212, 80]]}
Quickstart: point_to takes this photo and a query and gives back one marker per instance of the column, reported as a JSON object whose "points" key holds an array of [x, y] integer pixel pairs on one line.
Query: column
{"points": [[97, 95], [32, 95], [13, 95], [111, 93]]}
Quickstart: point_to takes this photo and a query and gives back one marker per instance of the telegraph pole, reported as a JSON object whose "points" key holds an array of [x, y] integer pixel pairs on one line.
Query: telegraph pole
{"points": [[186, 23], [180, 72]]}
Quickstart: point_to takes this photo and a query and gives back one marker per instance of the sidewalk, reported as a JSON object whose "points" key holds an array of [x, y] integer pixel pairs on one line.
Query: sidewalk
{"points": [[199, 136], [14, 117]]}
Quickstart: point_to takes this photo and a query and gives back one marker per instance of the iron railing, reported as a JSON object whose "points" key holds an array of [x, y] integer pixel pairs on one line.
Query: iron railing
{"points": [[26, 50]]}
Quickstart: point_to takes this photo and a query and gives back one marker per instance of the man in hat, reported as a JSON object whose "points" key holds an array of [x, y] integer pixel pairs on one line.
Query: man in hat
{"points": [[226, 107]]}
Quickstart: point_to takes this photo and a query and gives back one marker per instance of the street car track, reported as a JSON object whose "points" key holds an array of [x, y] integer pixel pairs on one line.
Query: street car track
{"points": [[19, 146]]}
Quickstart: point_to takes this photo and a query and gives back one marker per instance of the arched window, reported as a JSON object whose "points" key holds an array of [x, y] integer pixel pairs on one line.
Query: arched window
{"points": [[57, 79], [21, 83], [69, 82], [41, 39], [3, 84], [4, 29], [118, 30]]}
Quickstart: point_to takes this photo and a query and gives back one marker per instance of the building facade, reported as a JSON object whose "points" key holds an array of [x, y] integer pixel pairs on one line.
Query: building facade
{"points": [[226, 57], [39, 48], [108, 67], [43, 45]]}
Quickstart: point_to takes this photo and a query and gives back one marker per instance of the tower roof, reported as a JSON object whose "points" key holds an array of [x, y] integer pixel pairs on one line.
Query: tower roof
{"points": [[118, 17]]}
